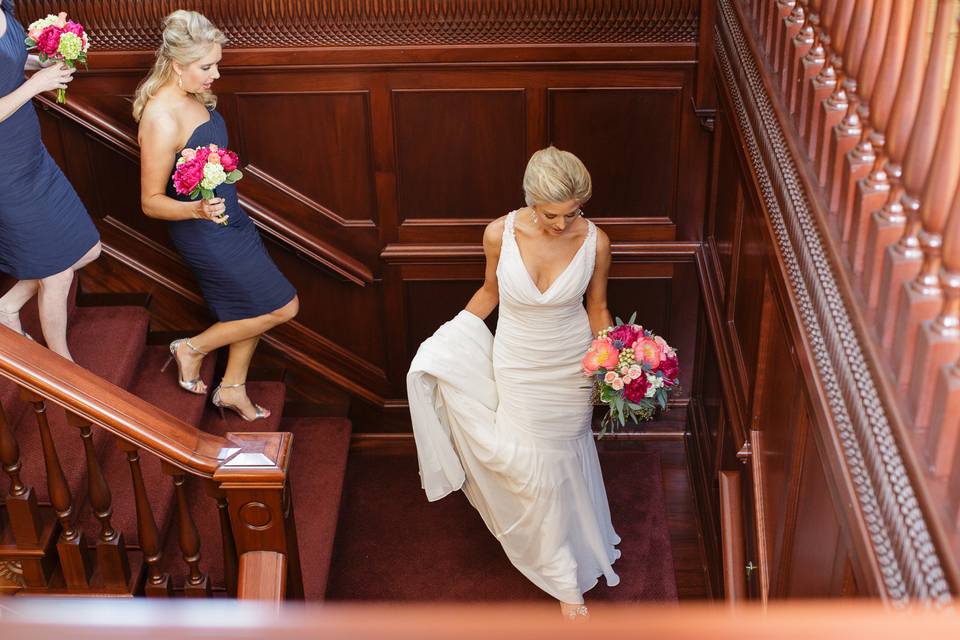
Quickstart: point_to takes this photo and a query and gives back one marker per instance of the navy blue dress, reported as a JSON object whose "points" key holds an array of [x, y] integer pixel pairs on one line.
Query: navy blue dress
{"points": [[236, 275], [44, 228]]}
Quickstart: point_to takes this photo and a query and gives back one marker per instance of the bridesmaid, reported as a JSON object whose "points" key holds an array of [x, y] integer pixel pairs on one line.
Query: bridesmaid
{"points": [[240, 283], [45, 231]]}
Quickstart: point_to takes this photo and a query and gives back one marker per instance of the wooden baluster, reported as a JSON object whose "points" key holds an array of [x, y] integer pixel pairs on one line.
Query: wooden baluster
{"points": [[822, 85], [871, 192], [921, 298], [847, 45], [810, 65], [781, 11], [902, 260], [158, 582], [23, 512], [853, 128], [197, 584], [71, 547], [798, 46], [939, 341], [792, 25], [231, 559], [111, 551]]}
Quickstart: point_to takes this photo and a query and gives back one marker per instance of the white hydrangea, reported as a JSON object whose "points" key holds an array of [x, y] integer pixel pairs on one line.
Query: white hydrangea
{"points": [[656, 382], [213, 176]]}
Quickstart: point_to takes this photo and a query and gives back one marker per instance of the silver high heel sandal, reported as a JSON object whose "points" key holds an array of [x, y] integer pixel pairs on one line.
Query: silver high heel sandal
{"points": [[193, 386], [221, 405]]}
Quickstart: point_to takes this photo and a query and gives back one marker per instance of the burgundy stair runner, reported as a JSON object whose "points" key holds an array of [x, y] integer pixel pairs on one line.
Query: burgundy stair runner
{"points": [[111, 342]]}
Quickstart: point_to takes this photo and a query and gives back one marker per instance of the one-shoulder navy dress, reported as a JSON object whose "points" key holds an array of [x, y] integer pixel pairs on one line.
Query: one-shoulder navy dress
{"points": [[237, 277], [44, 228]]}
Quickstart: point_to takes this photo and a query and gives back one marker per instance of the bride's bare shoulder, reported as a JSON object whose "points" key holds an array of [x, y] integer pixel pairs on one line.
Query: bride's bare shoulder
{"points": [[493, 234]]}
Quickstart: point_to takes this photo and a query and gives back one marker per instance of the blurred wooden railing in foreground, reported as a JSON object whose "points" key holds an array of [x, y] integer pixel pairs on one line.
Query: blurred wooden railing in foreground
{"points": [[246, 473], [873, 91], [105, 620]]}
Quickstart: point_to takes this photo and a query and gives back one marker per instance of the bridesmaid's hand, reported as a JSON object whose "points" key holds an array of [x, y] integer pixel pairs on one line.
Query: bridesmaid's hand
{"points": [[50, 78], [214, 210]]}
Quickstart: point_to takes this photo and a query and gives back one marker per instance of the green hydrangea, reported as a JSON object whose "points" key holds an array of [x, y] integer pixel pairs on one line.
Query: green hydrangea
{"points": [[213, 176], [71, 46]]}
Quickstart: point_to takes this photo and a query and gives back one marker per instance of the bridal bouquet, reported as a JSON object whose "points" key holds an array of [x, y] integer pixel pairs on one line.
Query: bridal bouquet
{"points": [[200, 171], [634, 371], [61, 40]]}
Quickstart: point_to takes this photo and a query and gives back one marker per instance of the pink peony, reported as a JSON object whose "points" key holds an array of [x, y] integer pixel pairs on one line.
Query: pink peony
{"points": [[626, 334], [670, 367], [648, 351], [188, 154], [74, 28], [49, 41], [187, 177], [600, 355], [636, 389], [229, 160], [668, 351]]}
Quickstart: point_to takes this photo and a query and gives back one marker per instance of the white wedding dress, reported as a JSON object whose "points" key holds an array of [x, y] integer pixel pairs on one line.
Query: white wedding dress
{"points": [[507, 419]]}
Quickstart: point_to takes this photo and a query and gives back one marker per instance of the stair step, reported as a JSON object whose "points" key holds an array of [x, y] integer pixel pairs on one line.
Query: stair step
{"points": [[268, 394], [109, 341], [317, 470], [13, 407], [161, 390]]}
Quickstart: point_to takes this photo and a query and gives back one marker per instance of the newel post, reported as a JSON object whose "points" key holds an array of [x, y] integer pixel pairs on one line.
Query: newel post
{"points": [[259, 499]]}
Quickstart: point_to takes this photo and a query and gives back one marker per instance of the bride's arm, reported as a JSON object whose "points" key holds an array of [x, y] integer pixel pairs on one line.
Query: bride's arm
{"points": [[487, 297], [597, 310]]}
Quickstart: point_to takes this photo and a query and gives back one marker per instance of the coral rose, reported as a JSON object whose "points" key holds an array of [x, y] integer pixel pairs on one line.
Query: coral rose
{"points": [[648, 351], [600, 355]]}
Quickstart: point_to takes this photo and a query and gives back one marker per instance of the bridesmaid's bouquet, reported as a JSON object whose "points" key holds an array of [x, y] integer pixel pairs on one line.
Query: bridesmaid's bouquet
{"points": [[201, 170], [634, 371], [61, 40]]}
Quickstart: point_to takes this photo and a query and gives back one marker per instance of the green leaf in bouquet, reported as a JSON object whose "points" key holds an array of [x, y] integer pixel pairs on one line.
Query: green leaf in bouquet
{"points": [[618, 321], [633, 318], [662, 398], [206, 193], [234, 176], [195, 193]]}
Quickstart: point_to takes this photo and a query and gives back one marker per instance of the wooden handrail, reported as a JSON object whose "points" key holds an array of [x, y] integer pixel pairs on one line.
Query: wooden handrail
{"points": [[233, 460]]}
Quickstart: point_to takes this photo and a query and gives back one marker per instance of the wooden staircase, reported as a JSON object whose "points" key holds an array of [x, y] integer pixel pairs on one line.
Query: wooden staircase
{"points": [[90, 515]]}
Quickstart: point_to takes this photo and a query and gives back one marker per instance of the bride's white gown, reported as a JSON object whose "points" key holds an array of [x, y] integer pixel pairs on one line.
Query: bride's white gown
{"points": [[507, 419]]}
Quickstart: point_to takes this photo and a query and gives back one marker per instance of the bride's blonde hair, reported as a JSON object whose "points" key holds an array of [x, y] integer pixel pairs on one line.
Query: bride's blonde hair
{"points": [[187, 37]]}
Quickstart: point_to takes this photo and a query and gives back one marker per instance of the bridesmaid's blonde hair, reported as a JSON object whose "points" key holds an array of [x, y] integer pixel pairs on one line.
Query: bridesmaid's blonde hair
{"points": [[553, 175], [187, 37]]}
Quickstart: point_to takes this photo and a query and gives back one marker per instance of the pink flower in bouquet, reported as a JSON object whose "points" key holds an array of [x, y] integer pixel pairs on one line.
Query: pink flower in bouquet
{"points": [[187, 176], [610, 376], [214, 158], [61, 20], [668, 351], [627, 334], [213, 148], [73, 27], [635, 371], [636, 389], [600, 355], [49, 41], [617, 384], [648, 351], [188, 154], [670, 367], [229, 160]]}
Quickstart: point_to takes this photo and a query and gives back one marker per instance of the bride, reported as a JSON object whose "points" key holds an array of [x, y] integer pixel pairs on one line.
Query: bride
{"points": [[506, 418]]}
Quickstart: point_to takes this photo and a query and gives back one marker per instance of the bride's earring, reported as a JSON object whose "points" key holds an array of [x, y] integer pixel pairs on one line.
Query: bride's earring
{"points": [[180, 81], [533, 216]]}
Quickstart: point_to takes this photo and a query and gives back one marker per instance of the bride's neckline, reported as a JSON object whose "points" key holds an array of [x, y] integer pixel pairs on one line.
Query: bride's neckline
{"points": [[523, 263]]}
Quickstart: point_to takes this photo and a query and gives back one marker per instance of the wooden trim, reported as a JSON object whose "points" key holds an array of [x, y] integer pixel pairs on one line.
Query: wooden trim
{"points": [[731, 527], [263, 576]]}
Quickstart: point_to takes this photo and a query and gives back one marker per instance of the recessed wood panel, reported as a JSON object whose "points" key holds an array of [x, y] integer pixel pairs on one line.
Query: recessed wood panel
{"points": [[628, 139], [747, 297], [326, 154], [726, 221], [812, 562], [460, 154]]}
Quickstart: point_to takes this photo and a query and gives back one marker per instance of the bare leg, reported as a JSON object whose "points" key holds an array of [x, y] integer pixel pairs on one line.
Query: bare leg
{"points": [[53, 303], [53, 311], [13, 300], [222, 334], [238, 363]]}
